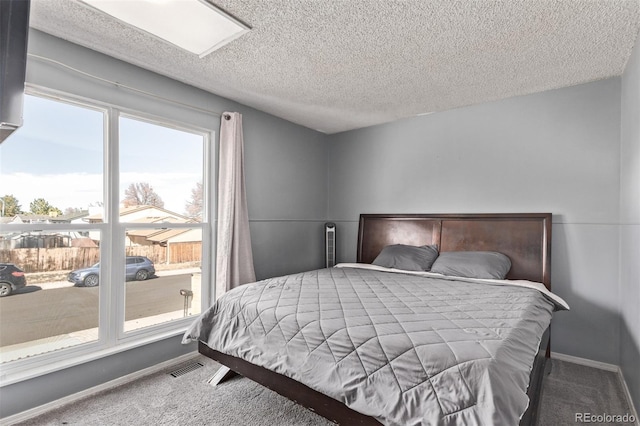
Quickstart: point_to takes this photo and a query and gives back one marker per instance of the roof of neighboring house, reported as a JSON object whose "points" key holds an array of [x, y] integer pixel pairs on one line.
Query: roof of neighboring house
{"points": [[149, 232], [158, 235], [30, 217], [124, 211], [72, 216], [166, 235], [143, 232], [160, 219]]}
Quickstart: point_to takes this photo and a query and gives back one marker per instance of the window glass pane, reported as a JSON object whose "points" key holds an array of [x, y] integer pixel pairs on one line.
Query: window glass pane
{"points": [[163, 277], [51, 172], [52, 166], [159, 167], [40, 309]]}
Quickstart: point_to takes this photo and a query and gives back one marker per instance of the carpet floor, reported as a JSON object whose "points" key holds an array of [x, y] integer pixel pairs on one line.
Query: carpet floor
{"points": [[161, 399]]}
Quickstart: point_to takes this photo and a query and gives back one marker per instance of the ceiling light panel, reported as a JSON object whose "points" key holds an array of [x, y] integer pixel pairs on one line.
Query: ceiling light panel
{"points": [[193, 25]]}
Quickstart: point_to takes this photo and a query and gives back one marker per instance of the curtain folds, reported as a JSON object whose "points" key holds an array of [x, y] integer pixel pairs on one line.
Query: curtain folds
{"points": [[234, 259]]}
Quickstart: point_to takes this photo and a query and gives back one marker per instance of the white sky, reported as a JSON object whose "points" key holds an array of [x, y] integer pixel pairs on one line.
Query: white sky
{"points": [[58, 155]]}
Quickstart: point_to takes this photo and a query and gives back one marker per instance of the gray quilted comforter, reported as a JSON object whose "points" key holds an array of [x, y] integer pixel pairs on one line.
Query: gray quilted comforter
{"points": [[403, 348]]}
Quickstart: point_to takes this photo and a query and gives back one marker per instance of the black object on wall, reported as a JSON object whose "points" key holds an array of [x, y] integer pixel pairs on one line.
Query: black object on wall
{"points": [[14, 32]]}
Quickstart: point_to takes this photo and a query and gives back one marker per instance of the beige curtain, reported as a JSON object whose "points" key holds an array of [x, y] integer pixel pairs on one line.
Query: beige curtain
{"points": [[234, 259]]}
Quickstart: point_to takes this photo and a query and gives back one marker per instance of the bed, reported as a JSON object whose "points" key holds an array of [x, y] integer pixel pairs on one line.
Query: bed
{"points": [[369, 344]]}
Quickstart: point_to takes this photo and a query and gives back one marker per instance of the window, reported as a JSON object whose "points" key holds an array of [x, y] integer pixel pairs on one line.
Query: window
{"points": [[105, 213], [161, 174], [52, 172]]}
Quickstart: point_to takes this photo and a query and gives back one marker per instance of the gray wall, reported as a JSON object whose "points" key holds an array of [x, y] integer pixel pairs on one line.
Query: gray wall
{"points": [[630, 226], [557, 151], [286, 177], [286, 167]]}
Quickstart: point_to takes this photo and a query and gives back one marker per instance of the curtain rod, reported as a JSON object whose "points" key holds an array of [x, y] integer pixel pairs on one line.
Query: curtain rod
{"points": [[124, 86]]}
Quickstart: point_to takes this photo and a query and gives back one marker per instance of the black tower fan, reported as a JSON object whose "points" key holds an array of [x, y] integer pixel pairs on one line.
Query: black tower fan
{"points": [[330, 244]]}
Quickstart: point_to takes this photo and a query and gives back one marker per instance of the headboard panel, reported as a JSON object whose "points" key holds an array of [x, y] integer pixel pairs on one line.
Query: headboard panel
{"points": [[524, 237]]}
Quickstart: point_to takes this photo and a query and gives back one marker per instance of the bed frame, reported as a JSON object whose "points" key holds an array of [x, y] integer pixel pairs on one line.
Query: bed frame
{"points": [[524, 237]]}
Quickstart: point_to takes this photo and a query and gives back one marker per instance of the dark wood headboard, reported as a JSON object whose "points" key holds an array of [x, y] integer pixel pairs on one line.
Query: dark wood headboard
{"points": [[524, 237]]}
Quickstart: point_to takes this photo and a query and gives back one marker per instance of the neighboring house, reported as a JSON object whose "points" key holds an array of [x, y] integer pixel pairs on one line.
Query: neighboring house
{"points": [[134, 213], [34, 218], [149, 236], [76, 217], [150, 214], [10, 220], [170, 236], [177, 245], [42, 239]]}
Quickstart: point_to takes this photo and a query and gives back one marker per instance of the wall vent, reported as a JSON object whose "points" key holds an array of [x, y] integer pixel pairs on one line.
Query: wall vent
{"points": [[186, 369], [330, 244]]}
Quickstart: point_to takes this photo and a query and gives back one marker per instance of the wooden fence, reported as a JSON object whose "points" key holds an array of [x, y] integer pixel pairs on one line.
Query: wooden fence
{"points": [[69, 258]]}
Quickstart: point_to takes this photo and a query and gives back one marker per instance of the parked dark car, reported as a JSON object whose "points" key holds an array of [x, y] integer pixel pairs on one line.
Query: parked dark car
{"points": [[137, 268], [11, 279]]}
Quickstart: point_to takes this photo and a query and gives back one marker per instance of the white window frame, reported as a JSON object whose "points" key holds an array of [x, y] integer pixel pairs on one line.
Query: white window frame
{"points": [[112, 338]]}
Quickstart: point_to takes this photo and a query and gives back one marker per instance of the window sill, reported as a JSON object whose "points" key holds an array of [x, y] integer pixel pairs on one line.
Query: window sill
{"points": [[40, 365]]}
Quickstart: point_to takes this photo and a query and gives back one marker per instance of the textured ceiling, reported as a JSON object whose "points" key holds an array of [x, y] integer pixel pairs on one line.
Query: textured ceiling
{"points": [[336, 65]]}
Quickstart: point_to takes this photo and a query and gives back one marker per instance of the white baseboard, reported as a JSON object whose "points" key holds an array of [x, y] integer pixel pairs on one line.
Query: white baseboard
{"points": [[28, 414], [586, 362], [602, 366]]}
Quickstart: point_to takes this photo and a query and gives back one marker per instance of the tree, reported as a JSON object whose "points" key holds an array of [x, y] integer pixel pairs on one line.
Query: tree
{"points": [[42, 206], [193, 208], [138, 194], [11, 206]]}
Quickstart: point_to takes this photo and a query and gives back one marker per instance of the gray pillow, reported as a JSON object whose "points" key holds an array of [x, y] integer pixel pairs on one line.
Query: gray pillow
{"points": [[409, 258], [472, 264]]}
